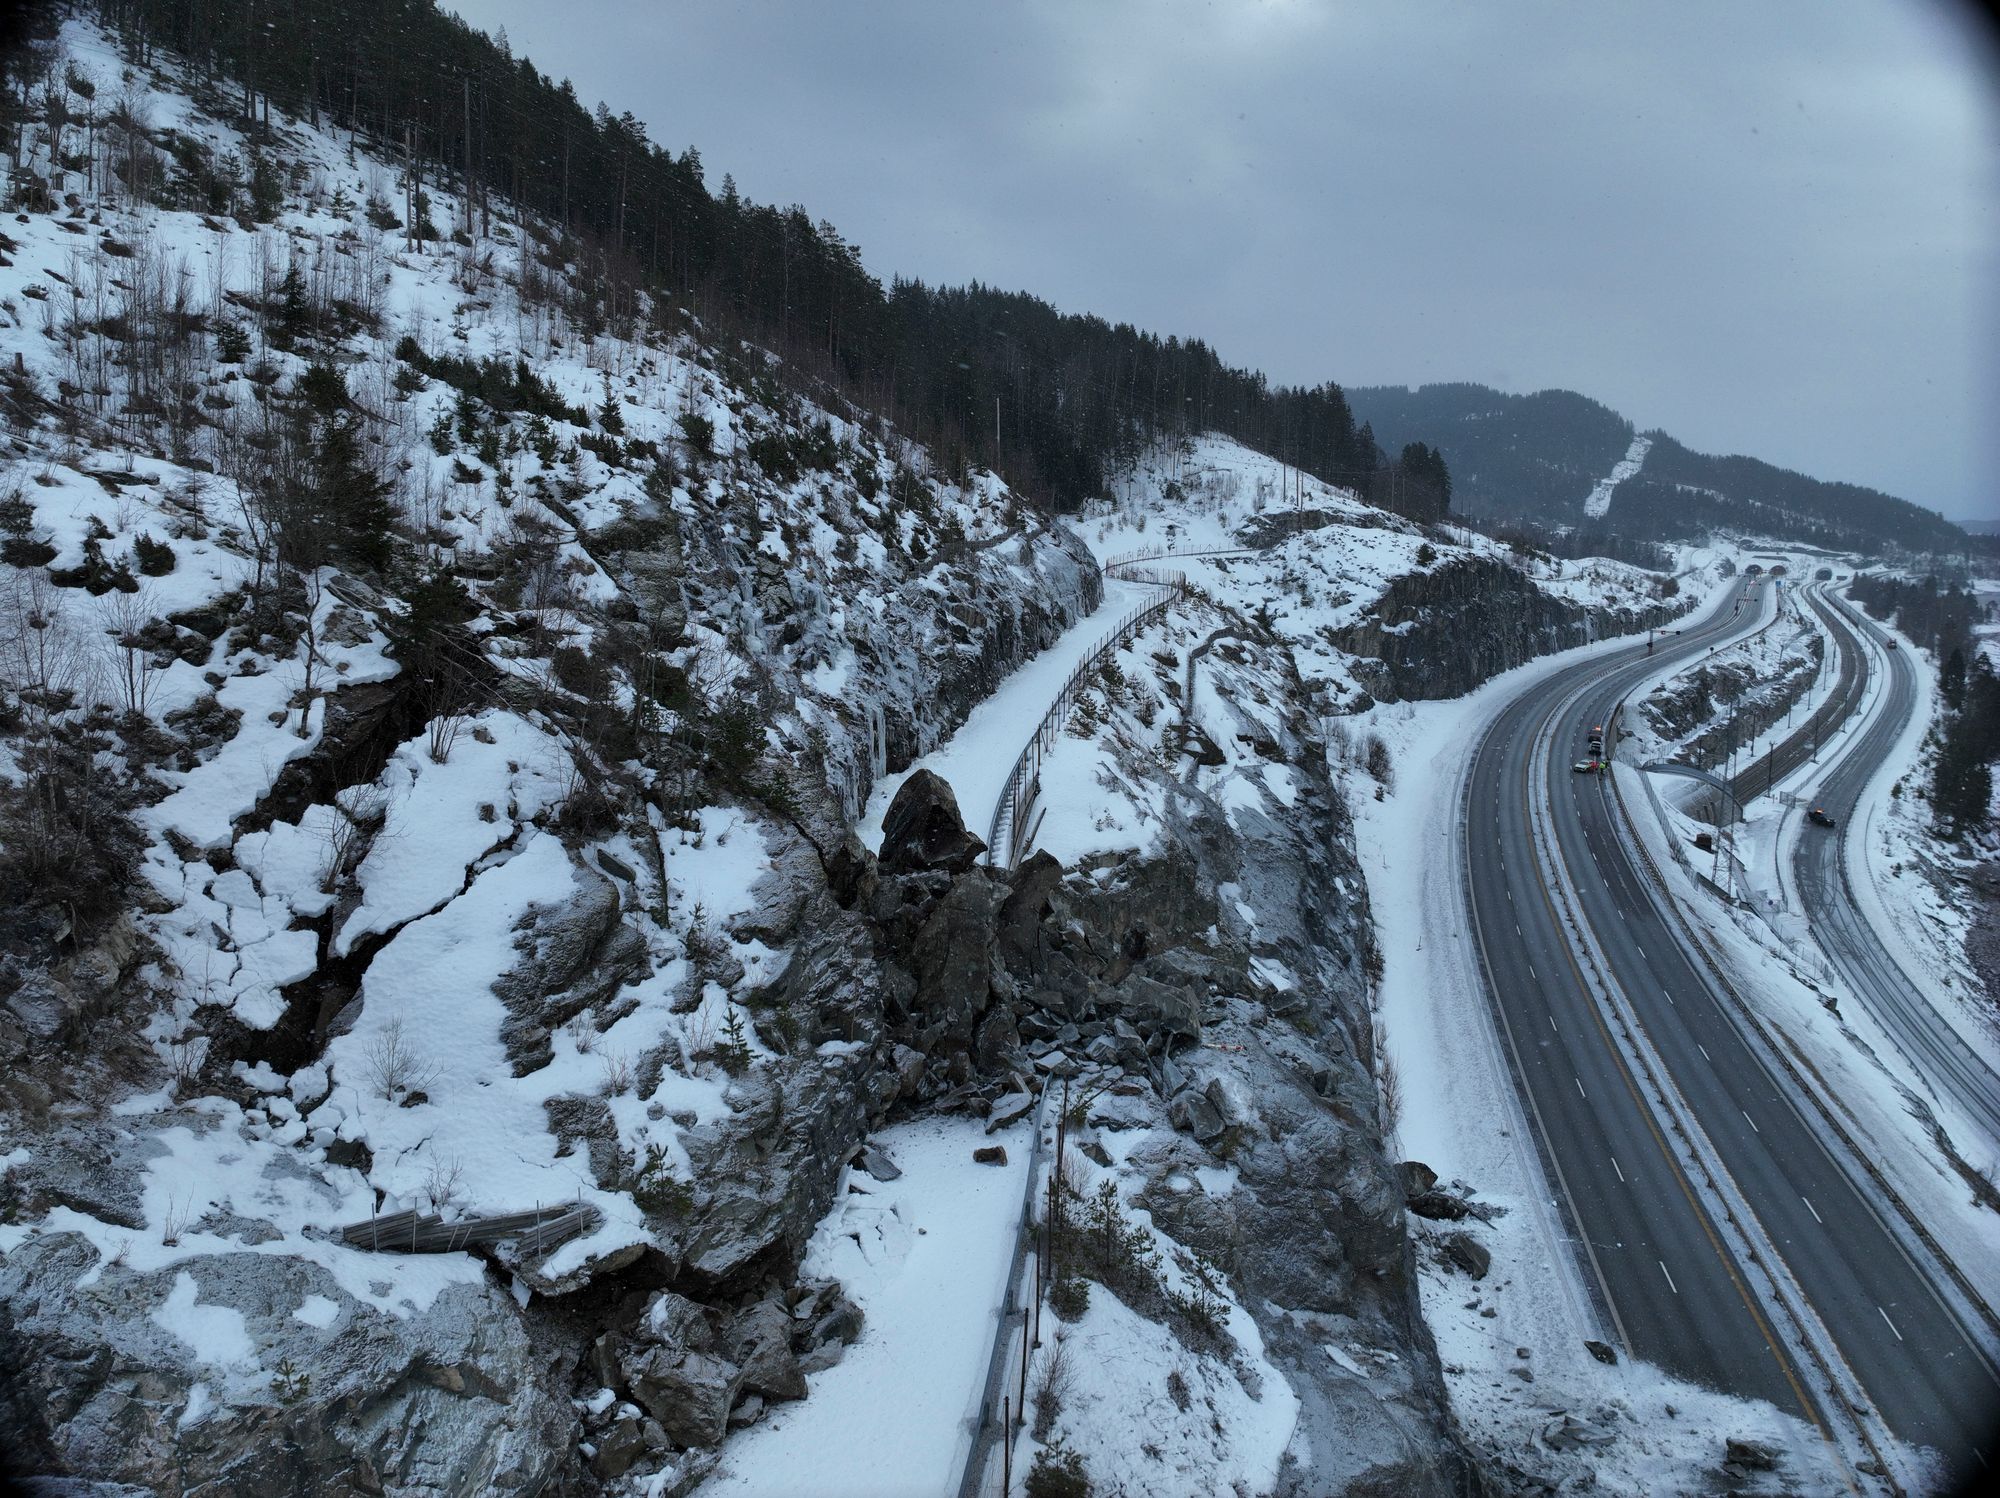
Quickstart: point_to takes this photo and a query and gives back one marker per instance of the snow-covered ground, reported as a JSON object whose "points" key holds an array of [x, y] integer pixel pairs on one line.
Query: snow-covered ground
{"points": [[926, 1258], [1599, 499]]}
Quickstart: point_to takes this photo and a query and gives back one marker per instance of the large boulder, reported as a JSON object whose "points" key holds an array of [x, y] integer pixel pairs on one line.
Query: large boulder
{"points": [[952, 956], [675, 1367], [923, 829], [760, 1341], [574, 956]]}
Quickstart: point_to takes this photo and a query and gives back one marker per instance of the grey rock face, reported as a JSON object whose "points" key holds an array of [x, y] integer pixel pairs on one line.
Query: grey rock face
{"points": [[574, 957], [1441, 632], [454, 1399]]}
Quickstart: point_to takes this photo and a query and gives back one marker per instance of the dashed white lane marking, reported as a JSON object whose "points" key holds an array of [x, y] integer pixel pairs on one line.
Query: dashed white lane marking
{"points": [[1579, 1088], [1677, 1289], [1814, 1210], [1704, 1053], [1891, 1325], [1614, 1166], [1750, 1121]]}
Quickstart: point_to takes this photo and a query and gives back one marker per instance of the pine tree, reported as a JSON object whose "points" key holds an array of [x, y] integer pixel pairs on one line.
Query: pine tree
{"points": [[1962, 783], [1951, 680]]}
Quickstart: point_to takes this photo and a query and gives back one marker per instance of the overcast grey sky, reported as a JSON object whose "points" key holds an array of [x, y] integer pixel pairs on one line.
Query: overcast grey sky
{"points": [[1770, 228]]}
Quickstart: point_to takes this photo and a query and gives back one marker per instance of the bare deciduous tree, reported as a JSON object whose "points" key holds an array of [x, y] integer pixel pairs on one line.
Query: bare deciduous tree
{"points": [[393, 1065]]}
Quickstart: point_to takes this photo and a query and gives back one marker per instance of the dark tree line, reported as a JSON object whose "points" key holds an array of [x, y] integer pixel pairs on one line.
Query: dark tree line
{"points": [[987, 378], [1939, 616]]}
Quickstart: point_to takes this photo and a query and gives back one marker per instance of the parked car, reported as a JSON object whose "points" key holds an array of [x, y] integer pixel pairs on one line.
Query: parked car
{"points": [[1819, 815]]}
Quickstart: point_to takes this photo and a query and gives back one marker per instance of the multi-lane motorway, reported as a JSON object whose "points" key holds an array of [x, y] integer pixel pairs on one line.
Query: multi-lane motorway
{"points": [[1665, 1271]]}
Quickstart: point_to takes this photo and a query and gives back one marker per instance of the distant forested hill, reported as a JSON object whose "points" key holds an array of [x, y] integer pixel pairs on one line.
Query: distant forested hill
{"points": [[1537, 458], [1511, 456]]}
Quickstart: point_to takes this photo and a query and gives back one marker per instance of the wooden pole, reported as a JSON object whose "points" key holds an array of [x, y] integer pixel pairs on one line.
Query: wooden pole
{"points": [[1021, 1405], [1006, 1449]]}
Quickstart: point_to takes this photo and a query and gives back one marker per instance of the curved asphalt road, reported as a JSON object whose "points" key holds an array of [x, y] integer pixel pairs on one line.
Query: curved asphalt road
{"points": [[1926, 1037], [1672, 1291]]}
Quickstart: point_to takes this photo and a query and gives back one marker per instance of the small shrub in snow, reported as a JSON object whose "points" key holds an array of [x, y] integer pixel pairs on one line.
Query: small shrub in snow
{"points": [[1202, 1303], [1379, 764], [1054, 1374], [290, 1382], [441, 1184], [176, 1220], [732, 1052], [701, 942], [1069, 1297], [1057, 1473], [617, 1072], [156, 558], [1177, 1390], [698, 432], [657, 1190]]}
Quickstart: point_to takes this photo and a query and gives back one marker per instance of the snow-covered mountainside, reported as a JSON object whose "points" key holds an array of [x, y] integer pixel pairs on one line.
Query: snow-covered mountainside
{"points": [[467, 915]]}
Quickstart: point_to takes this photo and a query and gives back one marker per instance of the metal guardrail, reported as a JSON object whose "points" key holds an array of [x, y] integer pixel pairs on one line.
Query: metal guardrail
{"points": [[997, 1417], [1011, 831], [1007, 835]]}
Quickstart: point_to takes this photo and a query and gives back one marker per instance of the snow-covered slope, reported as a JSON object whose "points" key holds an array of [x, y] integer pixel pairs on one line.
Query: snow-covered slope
{"points": [[1600, 497]]}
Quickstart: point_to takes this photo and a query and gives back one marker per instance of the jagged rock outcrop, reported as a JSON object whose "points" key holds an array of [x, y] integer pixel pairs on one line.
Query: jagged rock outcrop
{"points": [[1440, 633], [1726, 702]]}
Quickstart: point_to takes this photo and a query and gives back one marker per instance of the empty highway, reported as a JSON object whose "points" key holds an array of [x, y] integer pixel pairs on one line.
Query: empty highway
{"points": [[1671, 1288]]}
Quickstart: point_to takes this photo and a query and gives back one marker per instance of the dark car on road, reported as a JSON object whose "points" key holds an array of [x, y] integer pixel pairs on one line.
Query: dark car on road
{"points": [[1818, 815]]}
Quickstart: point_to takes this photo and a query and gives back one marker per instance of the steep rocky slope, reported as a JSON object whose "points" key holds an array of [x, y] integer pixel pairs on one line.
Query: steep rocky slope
{"points": [[438, 701]]}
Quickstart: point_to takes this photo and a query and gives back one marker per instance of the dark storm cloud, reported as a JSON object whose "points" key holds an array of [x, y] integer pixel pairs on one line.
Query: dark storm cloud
{"points": [[1771, 228]]}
